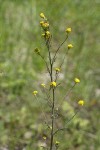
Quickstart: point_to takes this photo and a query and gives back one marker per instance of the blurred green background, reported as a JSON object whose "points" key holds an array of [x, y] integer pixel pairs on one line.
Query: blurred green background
{"points": [[21, 71]]}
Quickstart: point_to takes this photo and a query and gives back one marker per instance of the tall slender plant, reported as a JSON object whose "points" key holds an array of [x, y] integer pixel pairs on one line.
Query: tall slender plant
{"points": [[53, 75]]}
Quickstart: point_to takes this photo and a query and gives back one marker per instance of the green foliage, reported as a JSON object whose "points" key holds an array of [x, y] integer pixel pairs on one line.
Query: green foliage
{"points": [[20, 69]]}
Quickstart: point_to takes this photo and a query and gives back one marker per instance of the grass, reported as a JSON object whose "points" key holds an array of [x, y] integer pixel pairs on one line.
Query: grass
{"points": [[21, 71]]}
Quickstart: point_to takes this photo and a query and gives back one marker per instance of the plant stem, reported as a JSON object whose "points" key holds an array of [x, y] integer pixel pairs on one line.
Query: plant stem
{"points": [[53, 106], [50, 60], [59, 48], [65, 128], [53, 97]]}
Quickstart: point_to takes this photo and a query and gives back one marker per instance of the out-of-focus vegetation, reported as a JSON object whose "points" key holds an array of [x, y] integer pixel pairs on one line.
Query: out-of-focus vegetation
{"points": [[21, 71]]}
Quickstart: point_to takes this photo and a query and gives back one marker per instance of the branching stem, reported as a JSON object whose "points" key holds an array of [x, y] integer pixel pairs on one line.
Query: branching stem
{"points": [[59, 48]]}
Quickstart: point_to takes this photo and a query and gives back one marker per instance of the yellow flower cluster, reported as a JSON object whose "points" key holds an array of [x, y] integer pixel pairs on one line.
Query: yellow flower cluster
{"points": [[35, 92], [46, 34], [45, 26], [77, 80], [53, 84], [81, 102]]}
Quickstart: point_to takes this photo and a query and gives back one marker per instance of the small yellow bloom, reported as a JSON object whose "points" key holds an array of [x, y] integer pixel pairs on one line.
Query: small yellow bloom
{"points": [[77, 80], [42, 15], [41, 23], [35, 92], [81, 102], [57, 142], [47, 34], [43, 85], [70, 46], [46, 25], [50, 127], [57, 69], [44, 137], [43, 34], [68, 30], [53, 84]]}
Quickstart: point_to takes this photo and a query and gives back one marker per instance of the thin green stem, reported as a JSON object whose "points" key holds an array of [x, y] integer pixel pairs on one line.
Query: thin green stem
{"points": [[48, 97], [67, 94], [64, 58], [58, 49], [52, 130], [53, 96], [65, 128], [41, 108], [50, 59], [45, 63]]}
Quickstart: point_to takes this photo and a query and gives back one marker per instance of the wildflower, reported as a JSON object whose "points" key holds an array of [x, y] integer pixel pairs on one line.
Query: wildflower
{"points": [[37, 51], [42, 15], [77, 80], [57, 69], [35, 92], [50, 128], [57, 144], [41, 23], [44, 137], [43, 85], [70, 46], [68, 30], [53, 84], [44, 24], [47, 34], [81, 102]]}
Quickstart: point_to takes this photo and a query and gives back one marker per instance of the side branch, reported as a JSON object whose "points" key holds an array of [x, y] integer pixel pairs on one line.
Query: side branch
{"points": [[58, 49], [65, 128], [50, 59], [45, 63]]}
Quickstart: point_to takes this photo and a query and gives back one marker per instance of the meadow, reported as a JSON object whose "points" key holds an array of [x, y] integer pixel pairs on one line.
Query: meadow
{"points": [[21, 71]]}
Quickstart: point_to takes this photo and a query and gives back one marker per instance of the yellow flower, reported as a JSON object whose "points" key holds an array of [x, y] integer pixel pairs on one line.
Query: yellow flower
{"points": [[44, 24], [70, 46], [43, 34], [77, 80], [47, 34], [37, 51], [35, 92], [50, 127], [68, 30], [81, 102], [42, 15], [41, 23], [44, 137], [57, 69], [43, 85], [57, 142], [53, 84]]}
